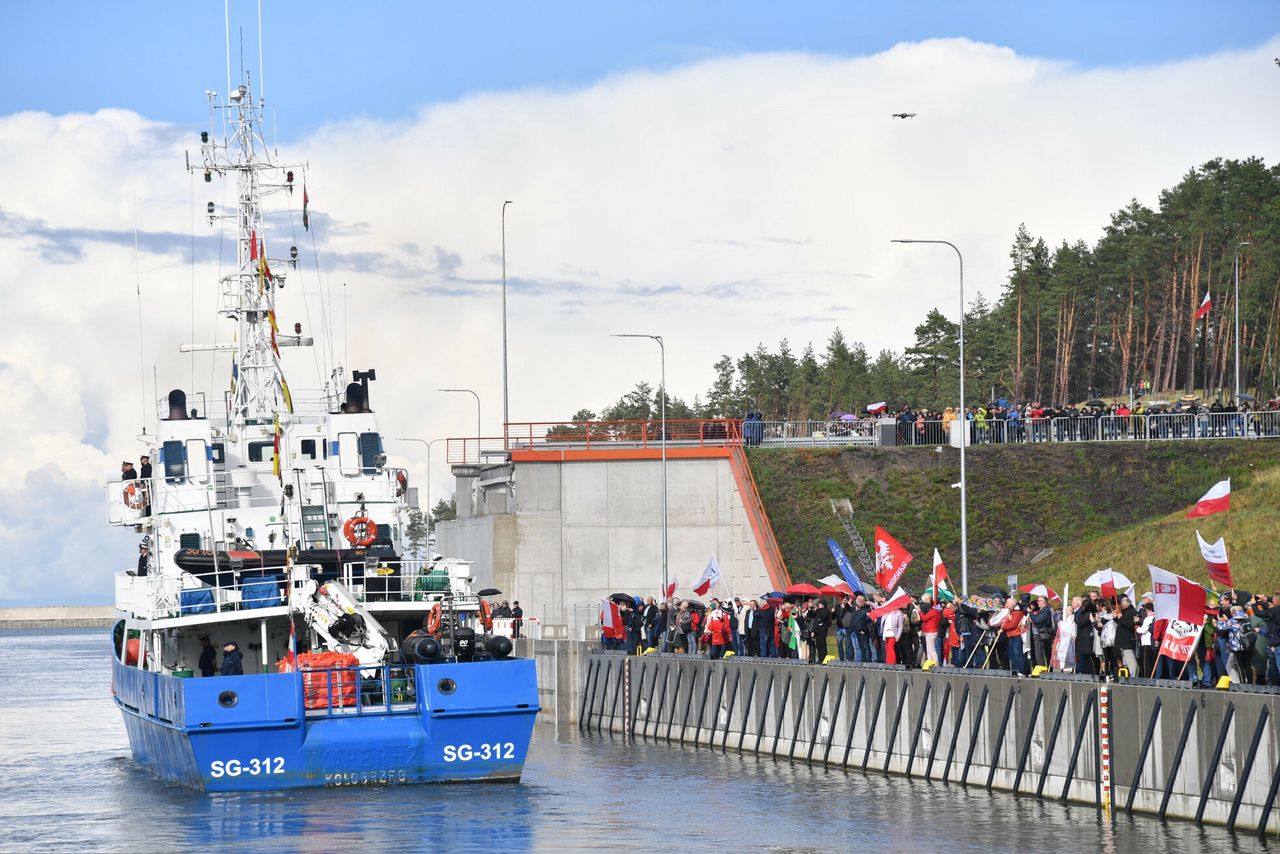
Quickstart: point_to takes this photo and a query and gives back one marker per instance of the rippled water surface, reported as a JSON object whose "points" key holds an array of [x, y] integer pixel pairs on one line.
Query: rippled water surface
{"points": [[67, 783]]}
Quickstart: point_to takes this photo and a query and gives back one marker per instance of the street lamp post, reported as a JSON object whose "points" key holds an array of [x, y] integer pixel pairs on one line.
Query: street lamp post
{"points": [[662, 402], [428, 443], [505, 399], [964, 430], [477, 397], [1237, 347]]}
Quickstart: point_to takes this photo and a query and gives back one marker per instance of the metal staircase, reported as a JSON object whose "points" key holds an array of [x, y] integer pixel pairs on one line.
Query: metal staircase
{"points": [[315, 526], [843, 508]]}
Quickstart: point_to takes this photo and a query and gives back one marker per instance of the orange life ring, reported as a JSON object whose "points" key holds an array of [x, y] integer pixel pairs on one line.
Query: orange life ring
{"points": [[134, 495], [433, 620], [485, 617], [360, 531]]}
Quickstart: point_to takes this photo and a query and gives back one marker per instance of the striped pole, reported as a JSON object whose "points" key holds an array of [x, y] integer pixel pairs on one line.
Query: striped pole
{"points": [[1104, 737]]}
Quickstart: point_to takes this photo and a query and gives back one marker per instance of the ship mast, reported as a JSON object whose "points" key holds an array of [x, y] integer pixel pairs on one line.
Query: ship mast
{"points": [[258, 390]]}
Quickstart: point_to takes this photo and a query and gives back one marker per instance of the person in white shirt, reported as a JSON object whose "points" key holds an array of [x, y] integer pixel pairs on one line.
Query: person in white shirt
{"points": [[891, 626]]}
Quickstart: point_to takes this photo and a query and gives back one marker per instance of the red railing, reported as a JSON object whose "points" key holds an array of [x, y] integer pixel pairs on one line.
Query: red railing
{"points": [[757, 516], [595, 435]]}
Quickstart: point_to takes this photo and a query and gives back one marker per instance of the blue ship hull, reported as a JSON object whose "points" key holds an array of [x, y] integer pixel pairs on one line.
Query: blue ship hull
{"points": [[252, 733]]}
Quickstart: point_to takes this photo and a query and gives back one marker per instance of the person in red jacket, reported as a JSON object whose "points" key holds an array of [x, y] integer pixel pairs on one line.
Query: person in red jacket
{"points": [[930, 625], [1015, 626], [719, 631]]}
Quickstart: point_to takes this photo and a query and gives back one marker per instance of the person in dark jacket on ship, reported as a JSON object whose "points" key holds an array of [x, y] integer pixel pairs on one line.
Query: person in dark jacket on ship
{"points": [[231, 660], [208, 657]]}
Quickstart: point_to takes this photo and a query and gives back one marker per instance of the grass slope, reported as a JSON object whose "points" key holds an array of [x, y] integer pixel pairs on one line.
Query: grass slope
{"points": [[1251, 530], [1022, 499]]}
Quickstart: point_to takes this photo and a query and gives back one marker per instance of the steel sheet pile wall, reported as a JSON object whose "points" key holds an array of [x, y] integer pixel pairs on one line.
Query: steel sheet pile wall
{"points": [[1178, 752]]}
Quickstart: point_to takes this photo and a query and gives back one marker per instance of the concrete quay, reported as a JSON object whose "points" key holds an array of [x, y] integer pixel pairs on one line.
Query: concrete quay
{"points": [[1156, 748], [57, 617]]}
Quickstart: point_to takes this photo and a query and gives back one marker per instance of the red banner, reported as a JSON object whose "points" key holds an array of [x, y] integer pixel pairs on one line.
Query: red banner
{"points": [[891, 560]]}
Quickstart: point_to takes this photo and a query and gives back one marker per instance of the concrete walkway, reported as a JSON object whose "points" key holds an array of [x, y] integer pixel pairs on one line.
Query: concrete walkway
{"points": [[57, 617]]}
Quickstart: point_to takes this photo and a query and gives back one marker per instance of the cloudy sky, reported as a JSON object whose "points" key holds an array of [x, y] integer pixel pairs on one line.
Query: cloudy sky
{"points": [[721, 175]]}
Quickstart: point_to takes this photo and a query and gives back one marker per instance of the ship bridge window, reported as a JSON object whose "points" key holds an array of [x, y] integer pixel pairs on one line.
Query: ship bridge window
{"points": [[370, 450], [307, 448], [260, 452], [218, 453], [173, 460]]}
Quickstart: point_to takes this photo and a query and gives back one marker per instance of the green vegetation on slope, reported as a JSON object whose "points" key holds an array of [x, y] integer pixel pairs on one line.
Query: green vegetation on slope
{"points": [[1022, 500], [1251, 529]]}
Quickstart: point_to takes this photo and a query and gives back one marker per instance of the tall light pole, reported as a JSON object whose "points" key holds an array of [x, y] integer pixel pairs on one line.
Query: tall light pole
{"points": [[505, 398], [662, 402], [428, 444], [1237, 348], [964, 431], [477, 397]]}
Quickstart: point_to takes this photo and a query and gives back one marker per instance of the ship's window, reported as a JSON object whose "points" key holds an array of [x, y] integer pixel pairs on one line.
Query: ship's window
{"points": [[218, 453], [370, 448], [173, 456], [189, 541], [198, 459], [348, 458], [261, 451], [307, 448]]}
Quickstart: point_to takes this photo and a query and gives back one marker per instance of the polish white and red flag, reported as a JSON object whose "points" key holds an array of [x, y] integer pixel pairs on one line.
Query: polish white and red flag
{"points": [[1215, 561], [1216, 500], [891, 560], [671, 587], [1180, 640], [1205, 305], [838, 583], [899, 599], [877, 408], [1175, 597], [709, 577], [610, 619]]}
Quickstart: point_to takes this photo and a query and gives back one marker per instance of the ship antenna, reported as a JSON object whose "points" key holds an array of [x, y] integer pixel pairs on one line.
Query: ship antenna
{"points": [[226, 20], [137, 284], [262, 76]]}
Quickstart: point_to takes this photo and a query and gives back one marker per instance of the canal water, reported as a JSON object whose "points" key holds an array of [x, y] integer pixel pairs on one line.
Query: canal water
{"points": [[67, 783]]}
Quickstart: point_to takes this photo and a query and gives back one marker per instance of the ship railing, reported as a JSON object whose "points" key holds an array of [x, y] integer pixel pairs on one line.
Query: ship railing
{"points": [[389, 689], [306, 401], [378, 580], [159, 597]]}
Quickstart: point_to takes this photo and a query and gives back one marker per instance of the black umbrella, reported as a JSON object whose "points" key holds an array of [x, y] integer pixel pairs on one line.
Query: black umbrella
{"points": [[991, 589], [489, 591], [1095, 402], [1244, 395], [623, 598]]}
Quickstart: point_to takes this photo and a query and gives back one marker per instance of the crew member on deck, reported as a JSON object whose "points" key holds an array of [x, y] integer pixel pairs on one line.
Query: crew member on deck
{"points": [[128, 472], [143, 555], [517, 619], [231, 663], [145, 474], [208, 657]]}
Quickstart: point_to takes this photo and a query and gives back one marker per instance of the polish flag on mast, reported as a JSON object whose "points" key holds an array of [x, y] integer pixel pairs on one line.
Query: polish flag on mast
{"points": [[709, 576], [1205, 305], [1216, 500]]}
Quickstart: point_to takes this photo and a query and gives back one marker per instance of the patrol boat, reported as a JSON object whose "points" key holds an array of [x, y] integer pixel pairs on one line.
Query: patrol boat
{"points": [[276, 545]]}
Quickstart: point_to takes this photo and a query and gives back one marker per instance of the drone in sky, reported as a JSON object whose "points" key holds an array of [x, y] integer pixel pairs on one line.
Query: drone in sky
{"points": [[904, 115]]}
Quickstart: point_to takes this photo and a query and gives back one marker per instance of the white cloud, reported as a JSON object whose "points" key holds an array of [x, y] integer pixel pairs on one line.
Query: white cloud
{"points": [[719, 204]]}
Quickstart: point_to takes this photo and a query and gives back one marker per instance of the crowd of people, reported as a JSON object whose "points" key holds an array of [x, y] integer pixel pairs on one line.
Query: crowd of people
{"points": [[995, 423], [1108, 637]]}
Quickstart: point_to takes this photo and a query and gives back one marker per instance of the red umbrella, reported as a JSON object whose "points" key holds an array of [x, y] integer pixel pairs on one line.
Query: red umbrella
{"points": [[1038, 590], [803, 590]]}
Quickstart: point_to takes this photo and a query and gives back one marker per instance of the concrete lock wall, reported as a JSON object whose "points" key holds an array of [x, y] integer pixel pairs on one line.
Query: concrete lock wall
{"points": [[1030, 736], [584, 529]]}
